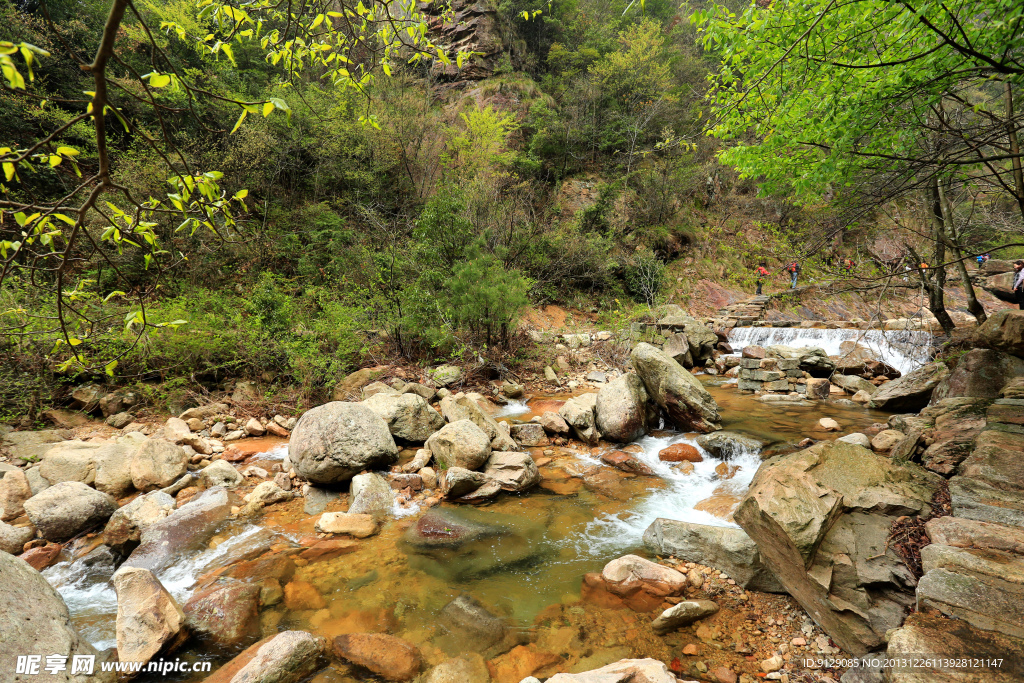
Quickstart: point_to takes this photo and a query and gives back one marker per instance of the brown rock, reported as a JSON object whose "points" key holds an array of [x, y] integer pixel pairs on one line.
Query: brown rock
{"points": [[227, 612], [723, 674], [41, 557], [328, 550], [299, 595], [626, 462], [753, 352], [279, 567], [520, 662], [390, 657], [680, 452], [277, 430]]}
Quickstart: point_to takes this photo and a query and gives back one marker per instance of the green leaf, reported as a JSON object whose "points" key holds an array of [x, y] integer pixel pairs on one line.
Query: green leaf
{"points": [[159, 80], [240, 119]]}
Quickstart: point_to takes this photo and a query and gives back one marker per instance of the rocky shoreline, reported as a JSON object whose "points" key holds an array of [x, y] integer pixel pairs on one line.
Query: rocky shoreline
{"points": [[902, 539]]}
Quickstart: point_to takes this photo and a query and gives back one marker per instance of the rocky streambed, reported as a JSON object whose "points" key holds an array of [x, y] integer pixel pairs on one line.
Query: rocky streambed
{"points": [[431, 535]]}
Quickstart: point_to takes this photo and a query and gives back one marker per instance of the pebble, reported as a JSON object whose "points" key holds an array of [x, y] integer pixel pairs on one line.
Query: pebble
{"points": [[690, 649]]}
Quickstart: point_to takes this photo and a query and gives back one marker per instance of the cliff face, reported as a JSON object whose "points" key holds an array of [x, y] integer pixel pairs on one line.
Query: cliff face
{"points": [[470, 27]]}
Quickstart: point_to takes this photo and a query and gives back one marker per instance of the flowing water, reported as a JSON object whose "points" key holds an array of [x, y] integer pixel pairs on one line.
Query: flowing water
{"points": [[583, 514], [905, 350]]}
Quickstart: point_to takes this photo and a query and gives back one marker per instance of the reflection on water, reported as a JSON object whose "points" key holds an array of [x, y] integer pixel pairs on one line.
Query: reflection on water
{"points": [[516, 556]]}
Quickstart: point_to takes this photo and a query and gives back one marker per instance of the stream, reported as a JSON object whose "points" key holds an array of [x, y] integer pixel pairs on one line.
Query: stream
{"points": [[583, 514]]}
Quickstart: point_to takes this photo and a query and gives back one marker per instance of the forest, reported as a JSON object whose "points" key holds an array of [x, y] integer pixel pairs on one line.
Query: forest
{"points": [[201, 190]]}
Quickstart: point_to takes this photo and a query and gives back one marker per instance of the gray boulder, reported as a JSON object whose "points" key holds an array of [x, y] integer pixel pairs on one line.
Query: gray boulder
{"points": [[103, 464], [35, 620], [14, 538], [187, 528], [853, 384], [677, 347], [579, 413], [157, 464], [336, 441], [460, 444], [30, 446], [467, 485], [67, 509], [910, 393], [980, 373], [683, 398], [408, 416], [128, 523], [529, 434], [149, 621], [725, 548], [14, 491], [1003, 331], [288, 657], [621, 409], [371, 494], [462, 407], [220, 473], [726, 445], [513, 471], [821, 518]]}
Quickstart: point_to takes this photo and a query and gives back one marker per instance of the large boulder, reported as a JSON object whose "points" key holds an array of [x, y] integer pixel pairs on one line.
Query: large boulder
{"points": [[725, 548], [287, 657], [1000, 286], [821, 518], [227, 612], [125, 528], [408, 416], [187, 528], [14, 538], [371, 494], [980, 373], [685, 400], [462, 407], [1003, 331], [677, 347], [460, 444], [35, 620], [220, 473], [579, 413], [458, 483], [336, 441], [149, 621], [349, 388], [728, 445], [29, 446], [621, 409], [853, 384], [513, 471], [67, 509], [157, 464], [103, 464], [911, 392]]}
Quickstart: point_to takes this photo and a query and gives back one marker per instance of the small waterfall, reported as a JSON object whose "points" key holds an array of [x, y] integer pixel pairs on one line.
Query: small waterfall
{"points": [[905, 350], [613, 533], [512, 408]]}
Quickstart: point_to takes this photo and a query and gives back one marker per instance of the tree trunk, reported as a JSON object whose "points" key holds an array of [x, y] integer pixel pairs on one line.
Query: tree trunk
{"points": [[934, 278], [974, 306], [1011, 133]]}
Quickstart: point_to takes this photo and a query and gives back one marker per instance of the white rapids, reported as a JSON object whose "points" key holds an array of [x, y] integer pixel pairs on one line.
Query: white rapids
{"points": [[613, 532]]}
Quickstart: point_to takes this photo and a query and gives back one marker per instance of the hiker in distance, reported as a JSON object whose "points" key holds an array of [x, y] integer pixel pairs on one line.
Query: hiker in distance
{"points": [[1018, 283], [793, 269], [762, 272]]}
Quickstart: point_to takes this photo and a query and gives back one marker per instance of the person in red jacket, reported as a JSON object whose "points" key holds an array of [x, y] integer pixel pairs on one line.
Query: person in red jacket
{"points": [[793, 269], [762, 273]]}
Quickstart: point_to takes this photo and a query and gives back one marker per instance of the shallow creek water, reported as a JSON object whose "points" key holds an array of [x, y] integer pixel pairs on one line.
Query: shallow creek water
{"points": [[584, 514]]}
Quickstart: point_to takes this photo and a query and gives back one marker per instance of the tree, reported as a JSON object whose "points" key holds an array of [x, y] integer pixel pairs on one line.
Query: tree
{"points": [[62, 207], [821, 96]]}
